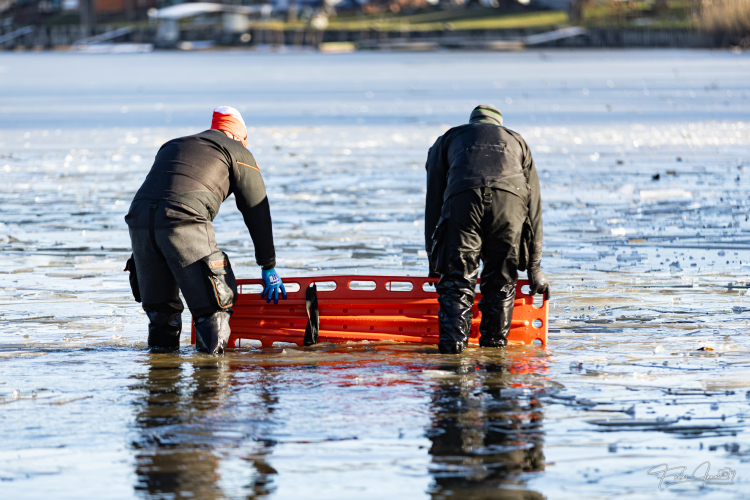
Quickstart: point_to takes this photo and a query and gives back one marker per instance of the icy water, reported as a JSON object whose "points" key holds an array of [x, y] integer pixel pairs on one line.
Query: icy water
{"points": [[643, 159]]}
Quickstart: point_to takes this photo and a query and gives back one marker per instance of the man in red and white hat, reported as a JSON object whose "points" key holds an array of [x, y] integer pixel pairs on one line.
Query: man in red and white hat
{"points": [[171, 231]]}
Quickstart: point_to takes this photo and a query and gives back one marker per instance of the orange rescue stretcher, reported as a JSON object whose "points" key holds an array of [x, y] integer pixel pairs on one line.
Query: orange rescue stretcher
{"points": [[375, 308]]}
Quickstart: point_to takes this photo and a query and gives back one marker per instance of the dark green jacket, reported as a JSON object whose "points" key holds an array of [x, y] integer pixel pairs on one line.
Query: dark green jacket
{"points": [[477, 155]]}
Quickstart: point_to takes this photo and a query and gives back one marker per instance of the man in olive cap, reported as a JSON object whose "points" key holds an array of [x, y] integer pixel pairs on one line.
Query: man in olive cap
{"points": [[483, 202]]}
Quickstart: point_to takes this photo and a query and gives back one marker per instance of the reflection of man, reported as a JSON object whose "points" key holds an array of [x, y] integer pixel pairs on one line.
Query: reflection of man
{"points": [[483, 200], [482, 443], [182, 415], [171, 231]]}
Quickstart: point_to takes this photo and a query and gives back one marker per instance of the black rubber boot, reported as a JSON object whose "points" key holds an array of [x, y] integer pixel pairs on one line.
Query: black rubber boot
{"points": [[454, 319], [452, 347], [212, 332], [164, 329], [497, 313]]}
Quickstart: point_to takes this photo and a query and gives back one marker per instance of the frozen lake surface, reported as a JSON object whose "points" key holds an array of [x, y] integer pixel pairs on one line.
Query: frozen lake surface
{"points": [[643, 158]]}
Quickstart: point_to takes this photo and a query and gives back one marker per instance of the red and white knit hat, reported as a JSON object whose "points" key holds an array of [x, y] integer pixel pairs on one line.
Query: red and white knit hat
{"points": [[230, 120]]}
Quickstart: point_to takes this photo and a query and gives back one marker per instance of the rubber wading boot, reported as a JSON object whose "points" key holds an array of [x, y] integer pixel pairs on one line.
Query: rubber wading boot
{"points": [[454, 319], [496, 320], [164, 329], [452, 347], [212, 332]]}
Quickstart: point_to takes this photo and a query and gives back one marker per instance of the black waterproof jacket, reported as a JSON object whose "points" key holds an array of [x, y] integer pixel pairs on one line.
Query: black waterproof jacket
{"points": [[191, 177], [478, 155]]}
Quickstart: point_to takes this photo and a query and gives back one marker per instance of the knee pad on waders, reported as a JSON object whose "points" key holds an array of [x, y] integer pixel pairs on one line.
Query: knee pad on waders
{"points": [[164, 328], [212, 332], [212, 329], [219, 280]]}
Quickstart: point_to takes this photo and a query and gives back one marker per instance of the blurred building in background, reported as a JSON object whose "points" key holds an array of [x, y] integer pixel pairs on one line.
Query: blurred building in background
{"points": [[37, 12], [376, 24], [89, 12]]}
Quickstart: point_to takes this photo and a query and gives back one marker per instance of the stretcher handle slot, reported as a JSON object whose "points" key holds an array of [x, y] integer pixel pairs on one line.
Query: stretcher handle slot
{"points": [[399, 286], [345, 284], [362, 285]]}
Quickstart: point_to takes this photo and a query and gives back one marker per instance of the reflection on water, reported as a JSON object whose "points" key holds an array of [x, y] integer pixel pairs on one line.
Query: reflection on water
{"points": [[486, 431], [209, 427], [183, 419]]}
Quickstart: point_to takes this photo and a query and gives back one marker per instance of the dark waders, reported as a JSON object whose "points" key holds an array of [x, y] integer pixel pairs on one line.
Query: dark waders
{"points": [[477, 223], [183, 258]]}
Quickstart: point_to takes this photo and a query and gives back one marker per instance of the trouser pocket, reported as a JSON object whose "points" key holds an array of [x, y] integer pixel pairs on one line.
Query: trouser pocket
{"points": [[130, 267], [221, 284]]}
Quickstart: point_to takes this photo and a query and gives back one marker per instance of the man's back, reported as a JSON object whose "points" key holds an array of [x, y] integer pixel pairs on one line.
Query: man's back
{"points": [[192, 163], [477, 155], [201, 171], [481, 154]]}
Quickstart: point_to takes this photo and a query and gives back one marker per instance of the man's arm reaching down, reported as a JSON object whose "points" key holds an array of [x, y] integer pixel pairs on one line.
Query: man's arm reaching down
{"points": [[252, 202]]}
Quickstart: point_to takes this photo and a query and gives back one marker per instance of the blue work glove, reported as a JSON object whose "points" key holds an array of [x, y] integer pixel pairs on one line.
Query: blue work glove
{"points": [[271, 285]]}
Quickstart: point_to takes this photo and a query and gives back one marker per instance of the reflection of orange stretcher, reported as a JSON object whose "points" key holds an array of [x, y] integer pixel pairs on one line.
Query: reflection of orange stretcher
{"points": [[355, 308]]}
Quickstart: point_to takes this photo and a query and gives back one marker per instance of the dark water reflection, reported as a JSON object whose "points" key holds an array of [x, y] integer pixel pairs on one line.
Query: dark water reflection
{"points": [[184, 422], [208, 427], [487, 430]]}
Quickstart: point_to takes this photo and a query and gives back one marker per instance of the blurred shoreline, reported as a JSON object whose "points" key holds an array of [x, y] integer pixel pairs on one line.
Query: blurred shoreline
{"points": [[338, 41], [206, 26]]}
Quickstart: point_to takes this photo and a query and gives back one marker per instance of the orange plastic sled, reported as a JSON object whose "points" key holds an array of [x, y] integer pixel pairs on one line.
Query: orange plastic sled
{"points": [[355, 308]]}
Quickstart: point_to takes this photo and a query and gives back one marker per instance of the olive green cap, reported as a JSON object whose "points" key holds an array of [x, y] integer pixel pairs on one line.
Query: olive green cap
{"points": [[486, 114]]}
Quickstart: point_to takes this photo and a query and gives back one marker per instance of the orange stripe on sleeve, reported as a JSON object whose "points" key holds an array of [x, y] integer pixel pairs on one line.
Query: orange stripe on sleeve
{"points": [[246, 165]]}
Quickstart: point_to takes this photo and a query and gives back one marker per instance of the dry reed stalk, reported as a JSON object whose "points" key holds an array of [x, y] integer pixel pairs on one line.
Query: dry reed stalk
{"points": [[732, 16]]}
